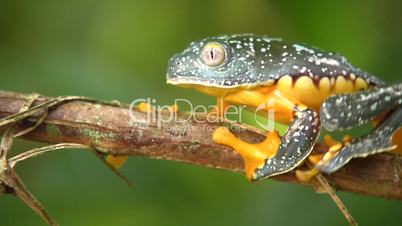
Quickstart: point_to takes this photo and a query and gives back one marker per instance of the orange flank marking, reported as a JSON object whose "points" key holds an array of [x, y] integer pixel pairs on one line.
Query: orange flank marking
{"points": [[314, 93], [301, 90], [116, 161], [254, 155], [343, 85], [360, 84], [397, 140], [146, 108]]}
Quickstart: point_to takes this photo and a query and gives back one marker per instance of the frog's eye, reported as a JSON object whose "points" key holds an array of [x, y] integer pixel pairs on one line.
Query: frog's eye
{"points": [[213, 54]]}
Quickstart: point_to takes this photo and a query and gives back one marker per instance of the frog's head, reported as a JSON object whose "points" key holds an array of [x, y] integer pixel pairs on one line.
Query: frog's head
{"points": [[215, 65]]}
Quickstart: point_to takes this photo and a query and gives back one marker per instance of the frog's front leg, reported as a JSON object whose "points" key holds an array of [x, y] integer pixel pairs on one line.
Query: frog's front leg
{"points": [[345, 111], [276, 155]]}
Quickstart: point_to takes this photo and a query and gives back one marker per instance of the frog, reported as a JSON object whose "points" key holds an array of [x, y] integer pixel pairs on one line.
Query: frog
{"points": [[307, 88]]}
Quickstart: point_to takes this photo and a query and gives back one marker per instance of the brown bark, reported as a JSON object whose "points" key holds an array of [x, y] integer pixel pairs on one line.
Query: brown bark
{"points": [[111, 129]]}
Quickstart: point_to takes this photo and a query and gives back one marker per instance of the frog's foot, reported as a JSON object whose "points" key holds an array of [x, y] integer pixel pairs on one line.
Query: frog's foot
{"points": [[345, 111], [145, 108], [307, 175], [114, 162], [329, 141], [380, 140], [333, 150], [254, 155], [276, 155]]}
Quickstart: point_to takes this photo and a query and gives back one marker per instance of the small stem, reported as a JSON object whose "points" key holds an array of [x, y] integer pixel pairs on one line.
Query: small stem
{"points": [[34, 110], [30, 129], [332, 193], [42, 150]]}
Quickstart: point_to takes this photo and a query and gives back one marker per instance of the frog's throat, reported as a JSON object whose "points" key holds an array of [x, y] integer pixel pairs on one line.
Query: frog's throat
{"points": [[209, 90], [217, 90]]}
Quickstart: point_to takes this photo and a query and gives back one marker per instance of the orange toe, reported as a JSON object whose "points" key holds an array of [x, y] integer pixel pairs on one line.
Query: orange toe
{"points": [[254, 155]]}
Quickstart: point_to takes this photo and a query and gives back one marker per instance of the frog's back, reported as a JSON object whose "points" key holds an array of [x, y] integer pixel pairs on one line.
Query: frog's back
{"points": [[274, 58], [306, 73]]}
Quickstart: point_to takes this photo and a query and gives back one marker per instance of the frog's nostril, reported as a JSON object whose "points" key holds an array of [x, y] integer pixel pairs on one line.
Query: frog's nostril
{"points": [[174, 62], [174, 67]]}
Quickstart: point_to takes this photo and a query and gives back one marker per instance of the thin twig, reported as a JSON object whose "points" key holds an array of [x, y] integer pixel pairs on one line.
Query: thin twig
{"points": [[9, 178], [336, 199], [28, 130], [42, 150], [326, 186]]}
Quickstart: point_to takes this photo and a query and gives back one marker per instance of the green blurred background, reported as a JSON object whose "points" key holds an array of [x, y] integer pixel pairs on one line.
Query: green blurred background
{"points": [[119, 49]]}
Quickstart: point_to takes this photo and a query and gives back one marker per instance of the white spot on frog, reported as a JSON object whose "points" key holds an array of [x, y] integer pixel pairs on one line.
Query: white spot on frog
{"points": [[387, 98], [328, 61], [373, 107], [300, 48]]}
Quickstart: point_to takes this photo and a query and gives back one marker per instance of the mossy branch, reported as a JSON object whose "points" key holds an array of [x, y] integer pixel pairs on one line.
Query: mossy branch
{"points": [[117, 130]]}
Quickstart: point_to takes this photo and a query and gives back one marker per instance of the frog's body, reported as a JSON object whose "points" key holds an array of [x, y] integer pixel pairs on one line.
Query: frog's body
{"points": [[256, 70], [260, 63]]}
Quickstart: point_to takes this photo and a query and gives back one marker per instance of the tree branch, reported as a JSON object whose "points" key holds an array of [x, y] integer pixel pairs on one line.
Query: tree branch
{"points": [[114, 129]]}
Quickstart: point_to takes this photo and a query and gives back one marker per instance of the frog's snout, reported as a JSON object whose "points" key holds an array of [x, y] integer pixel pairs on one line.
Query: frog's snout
{"points": [[174, 67]]}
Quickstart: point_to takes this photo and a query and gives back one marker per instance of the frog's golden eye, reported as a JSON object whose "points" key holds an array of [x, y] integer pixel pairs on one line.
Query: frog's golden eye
{"points": [[213, 54]]}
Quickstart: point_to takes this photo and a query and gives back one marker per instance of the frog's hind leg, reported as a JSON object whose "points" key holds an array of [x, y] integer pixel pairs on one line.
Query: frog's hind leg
{"points": [[276, 155], [345, 111], [380, 140]]}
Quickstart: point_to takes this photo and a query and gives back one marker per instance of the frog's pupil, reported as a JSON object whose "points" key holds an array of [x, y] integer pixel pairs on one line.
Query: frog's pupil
{"points": [[211, 53]]}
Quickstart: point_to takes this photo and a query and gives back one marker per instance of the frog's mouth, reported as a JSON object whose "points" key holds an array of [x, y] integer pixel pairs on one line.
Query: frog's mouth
{"points": [[203, 86]]}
